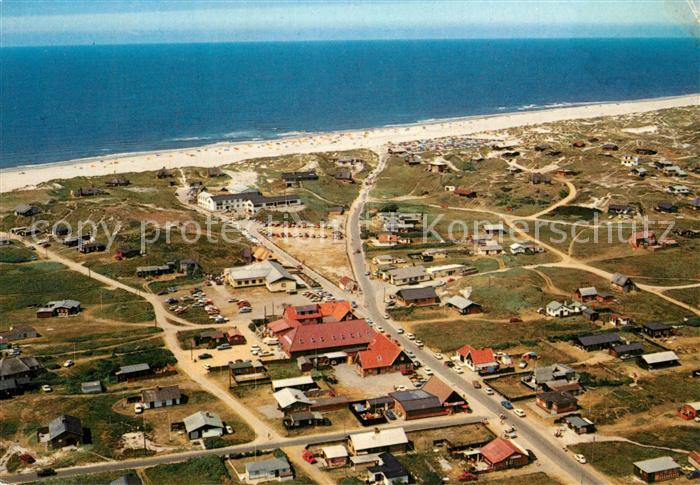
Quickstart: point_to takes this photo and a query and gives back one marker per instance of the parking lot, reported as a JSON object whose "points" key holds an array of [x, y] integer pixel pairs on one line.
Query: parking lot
{"points": [[351, 384]]}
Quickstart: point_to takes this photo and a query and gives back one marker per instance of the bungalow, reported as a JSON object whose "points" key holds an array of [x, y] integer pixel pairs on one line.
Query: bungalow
{"points": [[304, 419], [389, 440], [163, 173], [203, 424], [580, 425], [657, 469], [630, 161], [344, 175], [656, 329], [620, 209], [134, 371], [549, 377], [462, 192], [188, 266], [438, 166], [689, 410], [117, 182], [539, 178], [150, 271], [556, 402], [557, 309], [301, 383], [417, 404], [588, 293], [235, 337], [91, 247], [158, 397], [599, 341], [247, 371], [421, 296], [125, 252], [640, 172], [16, 374], [627, 351], [210, 337], [501, 454], [335, 455], [446, 270], [87, 192], [407, 276], [642, 239], [270, 274], [289, 399], [667, 207], [448, 397], [91, 387], [60, 308], [525, 248], [64, 431], [463, 305], [677, 189], [382, 356], [659, 360], [388, 471], [489, 248], [674, 171], [623, 283], [26, 210], [494, 229], [273, 469], [480, 360], [610, 147], [18, 332], [213, 172], [295, 178], [590, 314]]}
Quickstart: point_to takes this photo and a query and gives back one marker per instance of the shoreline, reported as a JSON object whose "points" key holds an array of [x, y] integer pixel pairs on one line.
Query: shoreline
{"points": [[223, 152]]}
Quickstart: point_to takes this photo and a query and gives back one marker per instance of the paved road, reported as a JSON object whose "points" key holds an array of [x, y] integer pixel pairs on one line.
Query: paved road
{"points": [[244, 448], [544, 445]]}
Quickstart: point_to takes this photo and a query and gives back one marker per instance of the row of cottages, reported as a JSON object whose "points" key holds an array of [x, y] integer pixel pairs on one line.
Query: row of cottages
{"points": [[60, 308], [18, 332], [648, 240], [292, 179], [269, 274], [212, 338], [249, 201], [247, 372], [155, 270], [382, 356], [621, 209]]}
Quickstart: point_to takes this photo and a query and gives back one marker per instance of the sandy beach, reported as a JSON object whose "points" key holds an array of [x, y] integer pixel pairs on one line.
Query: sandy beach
{"points": [[224, 153]]}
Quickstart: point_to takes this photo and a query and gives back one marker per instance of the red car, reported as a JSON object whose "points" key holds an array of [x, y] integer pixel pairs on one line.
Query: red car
{"points": [[468, 477], [243, 303], [308, 457]]}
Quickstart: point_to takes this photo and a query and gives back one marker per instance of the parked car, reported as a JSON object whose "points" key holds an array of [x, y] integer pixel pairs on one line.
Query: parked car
{"points": [[410, 336], [138, 408], [428, 371], [308, 457], [46, 388], [468, 477], [245, 309], [488, 391], [437, 355], [390, 414], [519, 412], [46, 472], [207, 367], [204, 356], [223, 347], [458, 369], [507, 404], [580, 458], [476, 384], [68, 363], [400, 331]]}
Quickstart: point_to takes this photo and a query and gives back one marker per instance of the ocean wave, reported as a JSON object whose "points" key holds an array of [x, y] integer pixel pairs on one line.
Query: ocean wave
{"points": [[191, 138]]}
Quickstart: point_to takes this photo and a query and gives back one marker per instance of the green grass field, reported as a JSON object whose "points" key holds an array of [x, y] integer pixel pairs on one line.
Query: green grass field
{"points": [[615, 459]]}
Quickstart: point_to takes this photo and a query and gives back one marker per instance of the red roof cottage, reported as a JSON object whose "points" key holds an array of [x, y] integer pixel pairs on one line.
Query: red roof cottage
{"points": [[449, 398], [642, 239], [382, 356], [501, 454], [481, 360]]}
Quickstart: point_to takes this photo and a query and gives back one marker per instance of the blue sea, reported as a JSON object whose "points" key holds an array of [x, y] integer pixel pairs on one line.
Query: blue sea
{"points": [[60, 103]]}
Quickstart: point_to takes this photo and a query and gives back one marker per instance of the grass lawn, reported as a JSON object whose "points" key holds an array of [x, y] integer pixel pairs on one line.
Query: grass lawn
{"points": [[16, 253], [423, 466], [682, 437], [614, 458], [690, 296], [538, 478], [206, 469], [92, 479]]}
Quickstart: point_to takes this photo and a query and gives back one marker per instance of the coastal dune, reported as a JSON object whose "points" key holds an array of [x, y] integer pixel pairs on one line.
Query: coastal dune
{"points": [[225, 153]]}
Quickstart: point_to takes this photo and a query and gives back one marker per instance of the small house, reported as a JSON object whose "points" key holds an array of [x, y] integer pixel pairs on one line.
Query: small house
{"points": [[556, 402], [91, 247], [656, 329], [489, 248], [463, 305], [272, 469], [125, 252], [438, 166], [378, 440], [481, 360], [422, 296], [91, 387], [60, 308], [417, 404], [235, 337], [448, 397], [642, 239], [87, 192], [161, 396], [26, 210], [289, 400], [132, 372], [620, 209], [657, 469], [382, 356], [344, 175], [302, 383], [557, 309], [598, 341], [163, 173], [627, 351], [334, 456], [65, 430], [501, 454], [117, 182], [623, 283], [659, 360], [589, 293], [18, 332], [580, 425], [304, 419], [666, 207], [203, 424], [347, 284], [388, 471], [690, 410]]}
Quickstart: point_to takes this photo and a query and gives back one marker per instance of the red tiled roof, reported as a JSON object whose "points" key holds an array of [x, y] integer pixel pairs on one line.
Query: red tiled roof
{"points": [[282, 325], [642, 235], [332, 311], [382, 352], [479, 356], [498, 450], [438, 388], [327, 336]]}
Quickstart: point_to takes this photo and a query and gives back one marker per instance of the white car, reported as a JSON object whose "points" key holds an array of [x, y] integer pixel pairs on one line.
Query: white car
{"points": [[580, 458], [207, 367], [458, 369], [437, 355], [410, 336], [428, 371], [46, 388], [519, 412], [68, 363], [411, 354], [419, 344], [400, 331], [138, 408], [387, 316], [488, 391]]}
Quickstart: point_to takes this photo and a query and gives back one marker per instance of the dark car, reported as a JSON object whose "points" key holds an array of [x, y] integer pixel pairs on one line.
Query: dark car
{"points": [[45, 472], [204, 356], [390, 414], [507, 404], [531, 455]]}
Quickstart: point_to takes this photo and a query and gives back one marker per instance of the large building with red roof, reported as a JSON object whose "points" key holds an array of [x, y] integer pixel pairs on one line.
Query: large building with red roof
{"points": [[501, 454], [382, 356], [333, 311]]}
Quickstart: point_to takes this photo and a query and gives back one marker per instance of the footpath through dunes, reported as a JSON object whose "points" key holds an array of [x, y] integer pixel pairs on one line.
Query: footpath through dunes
{"points": [[225, 153]]}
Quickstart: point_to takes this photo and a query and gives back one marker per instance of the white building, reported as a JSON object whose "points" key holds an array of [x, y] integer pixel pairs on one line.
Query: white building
{"points": [[264, 273], [249, 201]]}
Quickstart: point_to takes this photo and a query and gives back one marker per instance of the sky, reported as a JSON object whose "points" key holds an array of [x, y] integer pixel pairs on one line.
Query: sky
{"points": [[68, 22]]}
